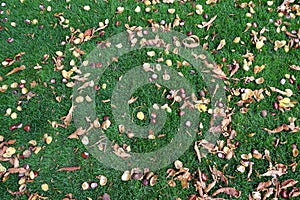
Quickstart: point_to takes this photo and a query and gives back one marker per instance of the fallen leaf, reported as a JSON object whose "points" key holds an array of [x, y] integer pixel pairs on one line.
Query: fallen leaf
{"points": [[294, 67], [208, 24], [258, 69], [277, 130], [221, 45], [228, 190], [236, 66], [263, 185], [22, 67], [279, 172], [69, 168], [67, 119], [288, 183], [16, 170], [79, 131], [88, 32]]}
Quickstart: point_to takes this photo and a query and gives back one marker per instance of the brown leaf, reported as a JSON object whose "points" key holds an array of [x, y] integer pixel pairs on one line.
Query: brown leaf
{"points": [[22, 67], [69, 168], [221, 45], [19, 55], [16, 170], [209, 23], [11, 141], [196, 148], [120, 152], [74, 135], [228, 190], [278, 129], [263, 185], [295, 192], [220, 74], [279, 172], [236, 66], [67, 119], [294, 67], [250, 197], [218, 173], [88, 32], [269, 192], [258, 69], [132, 100], [210, 186], [288, 183], [15, 193]]}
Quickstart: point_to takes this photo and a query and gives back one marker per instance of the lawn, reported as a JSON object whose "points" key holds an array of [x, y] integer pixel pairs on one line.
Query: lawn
{"points": [[87, 113]]}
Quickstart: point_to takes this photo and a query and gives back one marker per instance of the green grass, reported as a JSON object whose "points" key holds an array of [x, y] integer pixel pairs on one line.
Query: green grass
{"points": [[43, 107]]}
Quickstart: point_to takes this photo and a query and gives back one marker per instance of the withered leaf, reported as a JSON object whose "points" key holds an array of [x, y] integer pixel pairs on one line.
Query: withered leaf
{"points": [[196, 148], [279, 172], [218, 173], [22, 67], [278, 129], [120, 152], [210, 186], [19, 55], [228, 190], [294, 67], [79, 131], [288, 183], [16, 170], [220, 74], [88, 32], [236, 66], [263, 185], [74, 168], [258, 69], [67, 119], [132, 100], [269, 192], [209, 23], [15, 193], [295, 192], [221, 44]]}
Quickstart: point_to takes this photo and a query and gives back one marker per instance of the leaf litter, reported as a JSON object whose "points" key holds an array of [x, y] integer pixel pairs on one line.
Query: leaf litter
{"points": [[223, 149]]}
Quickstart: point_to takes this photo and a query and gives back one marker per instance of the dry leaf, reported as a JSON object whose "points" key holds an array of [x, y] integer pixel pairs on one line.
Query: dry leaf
{"points": [[79, 131], [22, 67], [132, 100], [67, 119], [196, 148], [288, 183], [279, 44], [120, 152], [259, 80], [295, 192], [88, 32], [294, 67], [221, 45], [208, 24], [16, 170], [236, 66], [263, 185], [258, 69], [228, 190], [278, 129], [69, 168], [279, 172]]}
